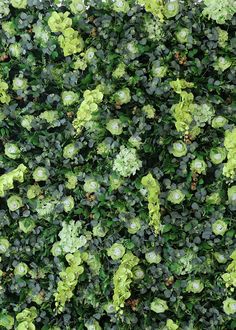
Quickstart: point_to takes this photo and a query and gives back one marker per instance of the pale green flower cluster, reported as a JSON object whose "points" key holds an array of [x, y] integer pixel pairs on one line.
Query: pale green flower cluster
{"points": [[222, 63], [25, 319], [116, 251], [230, 276], [222, 37], [7, 179], [126, 162], [122, 96], [220, 11], [121, 6], [182, 35], [4, 97], [229, 169]]}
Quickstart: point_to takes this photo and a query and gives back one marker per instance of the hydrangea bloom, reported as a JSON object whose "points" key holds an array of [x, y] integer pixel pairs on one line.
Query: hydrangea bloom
{"points": [[126, 162]]}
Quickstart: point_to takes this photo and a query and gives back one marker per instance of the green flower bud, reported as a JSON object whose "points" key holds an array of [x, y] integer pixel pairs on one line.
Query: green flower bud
{"points": [[77, 6], [157, 70], [179, 149], [229, 306], [91, 186], [19, 83], [159, 306], [171, 8], [56, 249], [220, 258], [219, 227], [70, 151], [122, 96], [19, 4], [69, 98], [175, 196], [68, 203], [26, 122], [134, 225], [40, 174], [99, 230], [182, 35], [12, 151], [21, 269], [33, 191], [213, 199], [4, 245], [115, 126], [121, 6], [27, 225], [232, 195], [198, 166], [14, 203], [116, 251], [138, 273], [217, 155], [219, 121], [195, 286], [152, 257]]}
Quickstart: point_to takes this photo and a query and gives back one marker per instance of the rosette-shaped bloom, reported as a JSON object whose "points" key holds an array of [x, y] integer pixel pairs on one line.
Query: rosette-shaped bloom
{"points": [[4, 245], [119, 71], [19, 4], [217, 155], [68, 203], [6, 320], [14, 203], [134, 225], [21, 269], [4, 97], [229, 306], [159, 306], [33, 191], [26, 225], [126, 162], [71, 42], [171, 325], [26, 122], [122, 96], [195, 286], [109, 308], [220, 258], [90, 54], [153, 257], [198, 166], [115, 181], [72, 180], [70, 151], [115, 126], [179, 149], [50, 116], [135, 141], [116, 251], [222, 63], [219, 121], [121, 6], [213, 199], [40, 174], [15, 50], [219, 227], [203, 114], [77, 6], [232, 195], [138, 273], [91, 185], [171, 8], [182, 35], [58, 22], [175, 196], [20, 83], [158, 71], [99, 230], [69, 97], [11, 150], [149, 111], [56, 249]]}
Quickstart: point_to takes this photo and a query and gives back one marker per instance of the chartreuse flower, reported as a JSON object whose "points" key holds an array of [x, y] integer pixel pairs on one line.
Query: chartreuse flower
{"points": [[11, 150], [219, 121], [70, 241], [116, 251], [229, 306], [19, 4], [179, 149], [115, 126], [40, 174], [121, 6], [21, 269], [135, 141], [230, 276], [109, 308], [219, 227], [15, 50], [126, 162], [217, 155], [198, 166], [133, 225], [119, 72], [92, 324], [27, 225], [68, 203], [149, 111], [14, 203], [153, 257], [25, 319], [156, 7], [69, 97], [77, 6], [229, 169], [195, 286], [4, 245], [71, 42], [159, 306], [70, 151], [58, 22], [232, 195], [33, 191], [56, 249], [26, 122], [4, 97], [158, 71], [138, 273], [72, 180], [115, 181], [7, 179], [171, 8], [9, 27], [122, 96], [91, 185], [50, 116], [6, 320], [20, 83], [223, 37], [213, 199], [222, 63], [175, 196], [171, 325], [182, 35], [220, 258], [220, 11], [90, 54], [99, 230]]}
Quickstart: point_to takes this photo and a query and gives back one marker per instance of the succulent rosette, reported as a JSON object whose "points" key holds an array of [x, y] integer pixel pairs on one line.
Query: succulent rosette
{"points": [[219, 227], [217, 155], [70, 151], [122, 96], [12, 150], [219, 121], [182, 35], [179, 149], [153, 257], [91, 185], [133, 225], [116, 251], [14, 203], [40, 174], [21, 269], [114, 126], [195, 286], [176, 196], [69, 97], [159, 306], [229, 306], [4, 245], [198, 166], [27, 225]]}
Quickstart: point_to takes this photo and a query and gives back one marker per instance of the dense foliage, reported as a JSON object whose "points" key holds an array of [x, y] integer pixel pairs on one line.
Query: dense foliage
{"points": [[117, 164]]}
